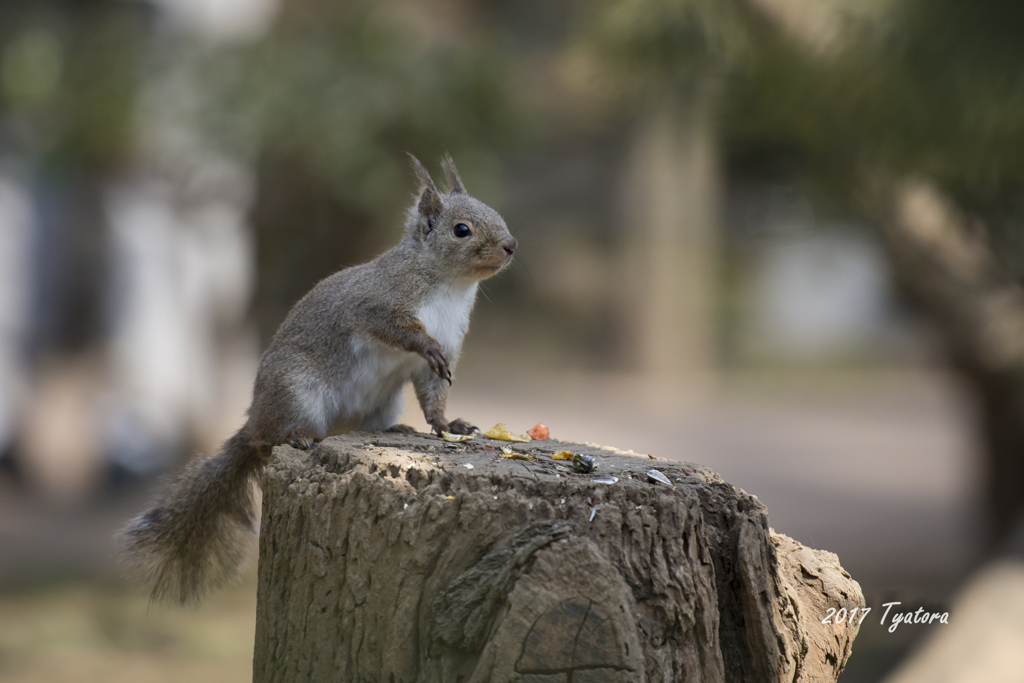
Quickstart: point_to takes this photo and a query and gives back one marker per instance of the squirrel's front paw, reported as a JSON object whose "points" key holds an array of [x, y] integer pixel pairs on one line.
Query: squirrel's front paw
{"points": [[438, 361], [460, 426]]}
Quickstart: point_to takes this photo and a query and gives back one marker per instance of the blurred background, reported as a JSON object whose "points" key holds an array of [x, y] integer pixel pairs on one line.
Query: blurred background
{"points": [[781, 238]]}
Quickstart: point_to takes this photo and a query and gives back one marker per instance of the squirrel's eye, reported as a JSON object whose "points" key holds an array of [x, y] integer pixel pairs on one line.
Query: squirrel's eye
{"points": [[462, 230]]}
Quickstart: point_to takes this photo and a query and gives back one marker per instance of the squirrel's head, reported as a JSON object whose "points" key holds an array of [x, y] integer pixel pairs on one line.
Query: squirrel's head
{"points": [[465, 237]]}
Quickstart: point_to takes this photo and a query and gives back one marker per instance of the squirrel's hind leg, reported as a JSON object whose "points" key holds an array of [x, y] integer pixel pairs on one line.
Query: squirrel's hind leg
{"points": [[294, 408], [299, 439], [399, 428], [385, 417]]}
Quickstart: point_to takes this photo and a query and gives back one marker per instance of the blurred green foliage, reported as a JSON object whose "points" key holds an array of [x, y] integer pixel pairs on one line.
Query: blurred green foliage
{"points": [[69, 73], [929, 88], [348, 88], [328, 104], [658, 44]]}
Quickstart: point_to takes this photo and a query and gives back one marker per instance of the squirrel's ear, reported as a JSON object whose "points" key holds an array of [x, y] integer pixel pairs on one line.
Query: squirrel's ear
{"points": [[451, 176], [429, 203]]}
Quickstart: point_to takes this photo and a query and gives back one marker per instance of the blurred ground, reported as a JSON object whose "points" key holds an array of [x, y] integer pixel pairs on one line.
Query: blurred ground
{"points": [[84, 632]]}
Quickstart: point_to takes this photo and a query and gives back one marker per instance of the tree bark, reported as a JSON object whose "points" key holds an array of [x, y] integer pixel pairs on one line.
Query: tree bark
{"points": [[393, 558]]}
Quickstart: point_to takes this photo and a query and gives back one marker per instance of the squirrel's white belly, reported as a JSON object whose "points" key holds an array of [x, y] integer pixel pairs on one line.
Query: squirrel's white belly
{"points": [[445, 314], [371, 389], [369, 393]]}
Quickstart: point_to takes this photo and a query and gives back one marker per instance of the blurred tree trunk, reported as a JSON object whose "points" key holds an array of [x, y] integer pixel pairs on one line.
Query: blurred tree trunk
{"points": [[303, 233], [671, 232], [948, 269], [943, 262]]}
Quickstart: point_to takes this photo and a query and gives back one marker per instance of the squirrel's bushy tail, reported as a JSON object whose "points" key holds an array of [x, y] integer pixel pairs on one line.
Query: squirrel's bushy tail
{"points": [[201, 528]]}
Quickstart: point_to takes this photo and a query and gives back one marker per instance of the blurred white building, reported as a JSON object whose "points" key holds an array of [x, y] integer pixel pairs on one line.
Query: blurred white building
{"points": [[182, 275], [810, 290], [820, 294], [15, 233]]}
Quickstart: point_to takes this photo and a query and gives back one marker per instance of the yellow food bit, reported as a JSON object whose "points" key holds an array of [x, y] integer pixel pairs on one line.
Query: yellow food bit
{"points": [[499, 432], [510, 454], [449, 497], [456, 438], [562, 455]]}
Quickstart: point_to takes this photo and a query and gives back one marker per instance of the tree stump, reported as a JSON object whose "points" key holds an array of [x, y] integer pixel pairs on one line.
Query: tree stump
{"points": [[400, 558]]}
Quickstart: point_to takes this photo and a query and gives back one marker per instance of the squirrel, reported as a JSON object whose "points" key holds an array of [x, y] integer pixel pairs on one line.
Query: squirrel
{"points": [[338, 362]]}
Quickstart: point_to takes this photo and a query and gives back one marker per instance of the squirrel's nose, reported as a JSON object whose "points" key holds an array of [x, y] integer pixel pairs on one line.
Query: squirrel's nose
{"points": [[509, 245]]}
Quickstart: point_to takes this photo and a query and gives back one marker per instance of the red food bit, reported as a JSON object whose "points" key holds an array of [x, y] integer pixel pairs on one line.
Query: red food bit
{"points": [[539, 433]]}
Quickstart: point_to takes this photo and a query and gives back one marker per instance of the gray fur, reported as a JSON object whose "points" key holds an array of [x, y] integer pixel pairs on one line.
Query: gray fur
{"points": [[337, 363]]}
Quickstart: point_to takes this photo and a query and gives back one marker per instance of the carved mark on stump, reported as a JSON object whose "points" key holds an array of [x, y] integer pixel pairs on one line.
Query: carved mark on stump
{"points": [[574, 641], [465, 610]]}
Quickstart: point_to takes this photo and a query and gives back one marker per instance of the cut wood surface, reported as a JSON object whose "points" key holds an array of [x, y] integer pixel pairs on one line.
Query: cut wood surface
{"points": [[400, 558]]}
